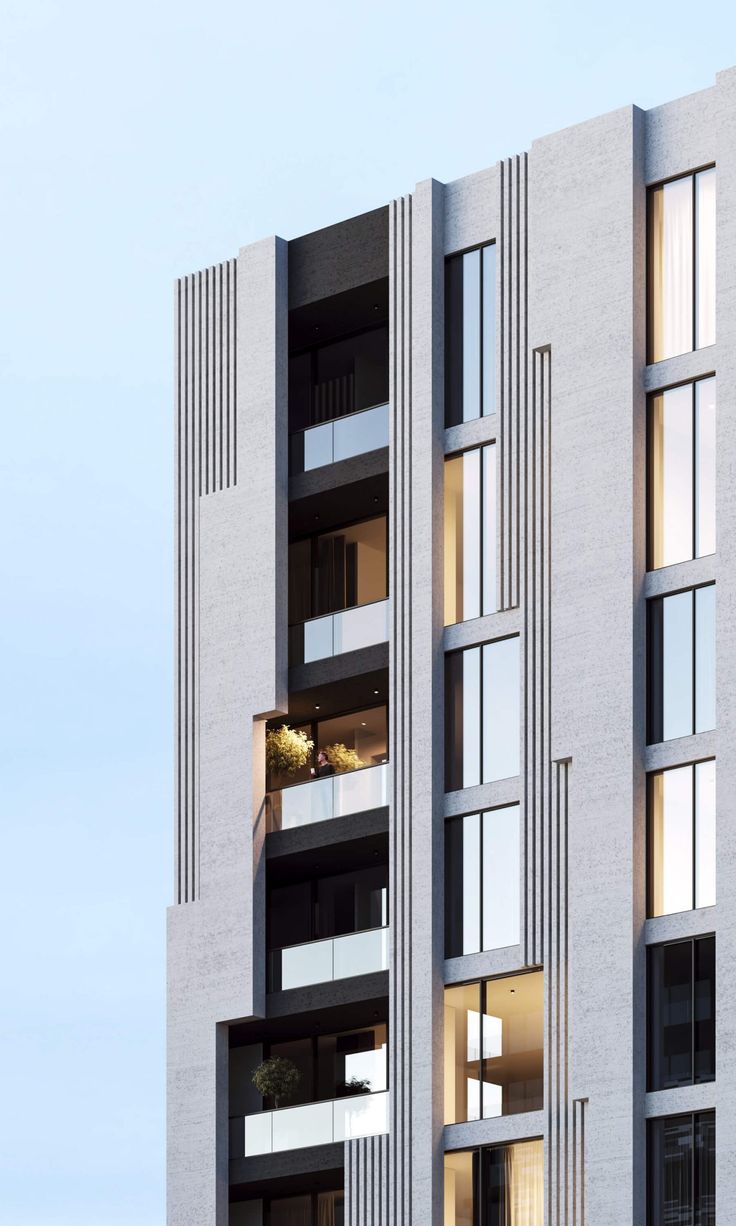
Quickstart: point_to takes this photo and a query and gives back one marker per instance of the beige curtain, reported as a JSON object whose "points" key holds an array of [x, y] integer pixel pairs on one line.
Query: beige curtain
{"points": [[524, 1184], [672, 269], [328, 1206]]}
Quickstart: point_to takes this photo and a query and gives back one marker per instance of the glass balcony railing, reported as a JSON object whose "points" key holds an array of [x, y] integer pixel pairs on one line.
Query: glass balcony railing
{"points": [[339, 439], [333, 635], [355, 953], [338, 1119], [319, 800]]}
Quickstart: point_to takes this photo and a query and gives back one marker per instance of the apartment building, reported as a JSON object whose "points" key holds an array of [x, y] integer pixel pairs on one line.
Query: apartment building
{"points": [[456, 693]]}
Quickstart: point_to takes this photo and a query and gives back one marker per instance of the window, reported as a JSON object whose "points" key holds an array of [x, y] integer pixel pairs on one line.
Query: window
{"points": [[682, 473], [502, 1185], [682, 681], [482, 881], [470, 335], [682, 1170], [682, 265], [682, 838], [682, 1012], [470, 534], [494, 1048], [338, 570], [482, 714]]}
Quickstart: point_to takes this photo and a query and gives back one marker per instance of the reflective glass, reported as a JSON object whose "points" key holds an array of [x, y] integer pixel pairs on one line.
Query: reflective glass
{"points": [[490, 599], [672, 476], [500, 709], [513, 1045], [705, 658], [296, 1127], [705, 258], [471, 535], [705, 834], [704, 1190], [470, 885], [677, 666], [671, 840], [670, 1015], [318, 447], [501, 877], [359, 433], [489, 330], [304, 964], [471, 716], [471, 335], [704, 1010], [458, 1195], [670, 1181], [671, 269], [360, 953], [705, 467], [462, 1053]]}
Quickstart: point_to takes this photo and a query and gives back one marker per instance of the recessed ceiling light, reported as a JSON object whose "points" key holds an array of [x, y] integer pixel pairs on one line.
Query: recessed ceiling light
{"points": [[363, 724], [316, 706], [375, 691]]}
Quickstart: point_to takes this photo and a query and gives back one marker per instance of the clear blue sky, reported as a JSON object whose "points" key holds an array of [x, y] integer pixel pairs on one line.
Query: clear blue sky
{"points": [[140, 142]]}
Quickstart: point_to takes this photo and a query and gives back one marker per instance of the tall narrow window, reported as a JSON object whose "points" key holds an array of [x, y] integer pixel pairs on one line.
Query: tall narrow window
{"points": [[682, 1170], [682, 683], [482, 881], [682, 473], [502, 1185], [470, 534], [494, 1048], [682, 1013], [482, 714], [682, 261], [682, 838], [470, 335]]}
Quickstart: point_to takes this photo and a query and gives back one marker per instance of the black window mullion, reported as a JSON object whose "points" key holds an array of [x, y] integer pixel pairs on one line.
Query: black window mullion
{"points": [[692, 1169], [481, 693], [481, 945], [481, 262], [694, 834], [693, 665], [481, 1070], [694, 291], [692, 1013], [695, 482]]}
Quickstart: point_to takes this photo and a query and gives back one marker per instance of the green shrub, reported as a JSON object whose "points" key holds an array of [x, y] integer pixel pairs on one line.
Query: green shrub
{"points": [[277, 1078]]}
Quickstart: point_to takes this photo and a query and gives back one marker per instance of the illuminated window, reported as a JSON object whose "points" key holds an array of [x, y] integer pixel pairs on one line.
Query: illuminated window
{"points": [[482, 714], [682, 265], [682, 672], [682, 473], [470, 534], [682, 838], [502, 1185], [482, 881]]}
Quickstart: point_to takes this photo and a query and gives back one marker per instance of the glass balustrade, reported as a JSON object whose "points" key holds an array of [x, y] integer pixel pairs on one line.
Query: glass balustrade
{"points": [[320, 800], [355, 953], [339, 1119], [333, 635], [339, 439]]}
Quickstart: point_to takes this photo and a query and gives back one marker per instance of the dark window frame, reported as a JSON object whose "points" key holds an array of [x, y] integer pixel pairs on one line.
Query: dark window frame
{"points": [[671, 387], [655, 662], [450, 258], [456, 455], [691, 941], [449, 748], [460, 817], [651, 775], [695, 1118]]}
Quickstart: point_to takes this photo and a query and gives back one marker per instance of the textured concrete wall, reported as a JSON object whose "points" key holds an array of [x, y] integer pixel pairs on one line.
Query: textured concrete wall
{"points": [[216, 951]]}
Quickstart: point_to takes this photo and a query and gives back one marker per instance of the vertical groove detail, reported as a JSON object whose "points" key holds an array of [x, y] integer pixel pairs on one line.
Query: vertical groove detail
{"points": [[366, 1186], [560, 1110], [400, 969], [513, 369], [205, 463], [537, 656]]}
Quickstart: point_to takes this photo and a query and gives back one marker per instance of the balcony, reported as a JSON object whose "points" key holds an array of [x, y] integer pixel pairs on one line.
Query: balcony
{"points": [[355, 953], [320, 800], [321, 1123], [333, 635], [340, 439]]}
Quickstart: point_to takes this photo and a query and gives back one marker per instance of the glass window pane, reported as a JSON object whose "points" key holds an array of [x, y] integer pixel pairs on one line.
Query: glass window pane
{"points": [[462, 1053], [500, 709], [471, 535], [501, 877], [705, 258], [471, 717], [677, 665], [513, 1184], [454, 341], [671, 1159], [471, 884], [670, 1015], [705, 467], [454, 527], [513, 1042], [705, 1169], [705, 658], [671, 837], [454, 721], [705, 834], [672, 476], [459, 1181], [490, 601], [489, 329], [704, 998], [671, 269], [471, 335]]}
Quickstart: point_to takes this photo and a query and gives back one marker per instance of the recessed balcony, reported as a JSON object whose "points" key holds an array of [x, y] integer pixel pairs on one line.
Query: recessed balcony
{"points": [[355, 953], [337, 633], [319, 800]]}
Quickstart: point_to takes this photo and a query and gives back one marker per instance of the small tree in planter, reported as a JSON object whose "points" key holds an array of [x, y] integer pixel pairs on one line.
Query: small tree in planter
{"points": [[287, 750], [342, 758], [354, 1085], [277, 1078]]}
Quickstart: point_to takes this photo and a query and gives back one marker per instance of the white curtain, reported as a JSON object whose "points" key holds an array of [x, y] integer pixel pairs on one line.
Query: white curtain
{"points": [[705, 208], [672, 269], [524, 1184]]}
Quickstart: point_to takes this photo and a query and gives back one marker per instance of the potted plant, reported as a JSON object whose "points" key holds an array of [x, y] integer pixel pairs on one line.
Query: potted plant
{"points": [[277, 1078], [353, 1085], [342, 758], [287, 750]]}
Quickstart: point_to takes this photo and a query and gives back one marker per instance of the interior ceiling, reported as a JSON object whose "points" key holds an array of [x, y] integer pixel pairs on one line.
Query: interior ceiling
{"points": [[324, 861], [343, 505], [347, 1016], [328, 318], [337, 697]]}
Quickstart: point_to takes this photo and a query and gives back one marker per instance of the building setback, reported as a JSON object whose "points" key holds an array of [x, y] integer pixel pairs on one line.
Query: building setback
{"points": [[456, 523]]}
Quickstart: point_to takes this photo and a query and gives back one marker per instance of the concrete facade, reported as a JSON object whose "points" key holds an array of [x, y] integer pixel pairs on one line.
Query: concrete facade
{"points": [[569, 221]]}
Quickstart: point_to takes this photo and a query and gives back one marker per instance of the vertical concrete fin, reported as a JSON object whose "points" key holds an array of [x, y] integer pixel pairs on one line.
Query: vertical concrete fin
{"points": [[560, 1110], [513, 349], [366, 1181]]}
